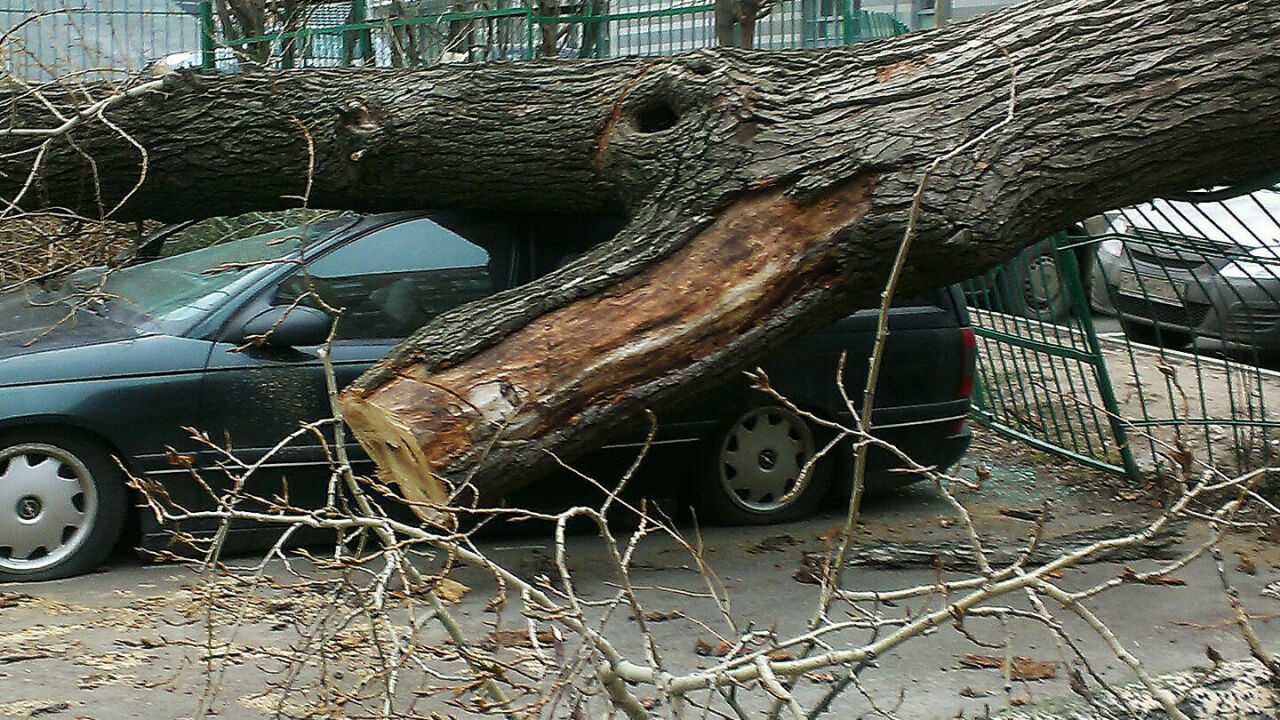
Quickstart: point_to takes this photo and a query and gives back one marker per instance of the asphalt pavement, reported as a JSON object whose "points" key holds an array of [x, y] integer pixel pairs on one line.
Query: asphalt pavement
{"points": [[132, 640]]}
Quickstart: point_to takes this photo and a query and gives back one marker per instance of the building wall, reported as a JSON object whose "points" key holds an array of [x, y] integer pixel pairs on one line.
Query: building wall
{"points": [[920, 14], [91, 34]]}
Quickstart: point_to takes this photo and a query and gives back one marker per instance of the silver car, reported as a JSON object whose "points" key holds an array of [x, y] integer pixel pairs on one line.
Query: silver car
{"points": [[1177, 272]]}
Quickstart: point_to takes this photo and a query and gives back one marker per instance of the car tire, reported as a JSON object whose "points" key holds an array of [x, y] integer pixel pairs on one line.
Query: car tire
{"points": [[753, 473], [1044, 295], [63, 504], [1146, 335]]}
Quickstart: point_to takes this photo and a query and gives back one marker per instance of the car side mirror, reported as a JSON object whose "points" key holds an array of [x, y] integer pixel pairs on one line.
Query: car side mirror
{"points": [[287, 326]]}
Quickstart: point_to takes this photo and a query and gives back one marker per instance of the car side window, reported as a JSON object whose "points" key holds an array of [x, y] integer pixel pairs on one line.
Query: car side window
{"points": [[393, 280]]}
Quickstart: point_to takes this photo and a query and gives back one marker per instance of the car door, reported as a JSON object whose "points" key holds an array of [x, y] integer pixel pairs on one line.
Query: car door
{"points": [[385, 284]]}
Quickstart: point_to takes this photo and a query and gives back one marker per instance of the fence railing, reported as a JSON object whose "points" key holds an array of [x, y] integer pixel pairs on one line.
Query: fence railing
{"points": [[1147, 337], [52, 37], [45, 39]]}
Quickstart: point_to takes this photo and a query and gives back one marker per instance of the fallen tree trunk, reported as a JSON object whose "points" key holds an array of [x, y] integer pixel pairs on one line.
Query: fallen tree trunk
{"points": [[766, 192]]}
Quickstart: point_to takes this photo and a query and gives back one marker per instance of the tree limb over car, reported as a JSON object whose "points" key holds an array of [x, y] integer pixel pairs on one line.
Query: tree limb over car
{"points": [[766, 192]]}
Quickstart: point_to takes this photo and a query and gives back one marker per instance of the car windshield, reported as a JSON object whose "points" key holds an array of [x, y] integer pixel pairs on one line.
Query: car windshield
{"points": [[174, 289], [1246, 221]]}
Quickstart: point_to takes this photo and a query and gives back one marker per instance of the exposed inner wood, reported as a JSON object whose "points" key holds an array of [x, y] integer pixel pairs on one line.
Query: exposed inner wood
{"points": [[758, 252]]}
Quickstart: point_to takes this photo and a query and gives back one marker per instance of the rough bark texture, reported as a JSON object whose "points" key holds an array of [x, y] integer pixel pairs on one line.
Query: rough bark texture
{"points": [[767, 191]]}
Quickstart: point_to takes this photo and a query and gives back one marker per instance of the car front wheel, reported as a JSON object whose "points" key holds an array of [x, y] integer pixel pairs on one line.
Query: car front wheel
{"points": [[62, 506], [757, 469]]}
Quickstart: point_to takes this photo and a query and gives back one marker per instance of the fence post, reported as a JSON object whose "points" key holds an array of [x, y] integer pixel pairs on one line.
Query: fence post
{"points": [[529, 52], [208, 60], [848, 27], [590, 29], [364, 43], [1069, 272]]}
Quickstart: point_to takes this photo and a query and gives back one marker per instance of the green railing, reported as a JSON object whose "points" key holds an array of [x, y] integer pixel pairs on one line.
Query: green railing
{"points": [[113, 36], [1146, 338], [1042, 374]]}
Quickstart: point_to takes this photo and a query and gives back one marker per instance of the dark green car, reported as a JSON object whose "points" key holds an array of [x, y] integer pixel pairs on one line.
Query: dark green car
{"points": [[100, 371]]}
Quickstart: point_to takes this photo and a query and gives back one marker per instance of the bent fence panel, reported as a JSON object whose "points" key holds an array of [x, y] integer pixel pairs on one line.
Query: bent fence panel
{"points": [[1171, 307]]}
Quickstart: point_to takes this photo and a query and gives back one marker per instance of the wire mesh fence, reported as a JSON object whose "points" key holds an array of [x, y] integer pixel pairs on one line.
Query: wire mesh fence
{"points": [[50, 38], [1151, 337]]}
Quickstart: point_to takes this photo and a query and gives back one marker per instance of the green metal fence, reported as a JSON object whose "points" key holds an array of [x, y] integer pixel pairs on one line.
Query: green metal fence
{"points": [[1149, 336], [1042, 374], [53, 37]]}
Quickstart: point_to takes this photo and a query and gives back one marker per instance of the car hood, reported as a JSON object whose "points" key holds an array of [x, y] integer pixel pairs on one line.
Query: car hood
{"points": [[32, 323], [1246, 224]]}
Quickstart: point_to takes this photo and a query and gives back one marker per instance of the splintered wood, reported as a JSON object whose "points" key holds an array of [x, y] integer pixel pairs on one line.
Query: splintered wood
{"points": [[747, 263]]}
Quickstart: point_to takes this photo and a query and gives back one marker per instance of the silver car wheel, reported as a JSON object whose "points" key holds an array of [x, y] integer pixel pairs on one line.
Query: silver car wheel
{"points": [[48, 505], [762, 456]]}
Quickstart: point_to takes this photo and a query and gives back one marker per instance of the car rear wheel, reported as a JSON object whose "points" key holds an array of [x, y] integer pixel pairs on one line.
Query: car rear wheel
{"points": [[756, 474], [1043, 291], [62, 506]]}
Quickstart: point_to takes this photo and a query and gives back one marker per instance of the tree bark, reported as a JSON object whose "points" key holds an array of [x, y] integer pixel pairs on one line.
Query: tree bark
{"points": [[766, 192]]}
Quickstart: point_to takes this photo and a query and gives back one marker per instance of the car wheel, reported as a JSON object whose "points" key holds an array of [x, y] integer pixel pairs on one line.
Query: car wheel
{"points": [[1146, 334], [62, 506], [1043, 292], [756, 474]]}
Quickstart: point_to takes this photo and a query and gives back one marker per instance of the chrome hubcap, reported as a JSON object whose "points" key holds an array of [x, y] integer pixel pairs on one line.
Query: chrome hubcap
{"points": [[47, 506], [762, 459]]}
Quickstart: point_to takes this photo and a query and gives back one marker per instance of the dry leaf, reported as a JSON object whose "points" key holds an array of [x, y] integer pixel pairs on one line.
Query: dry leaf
{"points": [[350, 639], [1129, 575], [1246, 564], [775, 543], [142, 642], [450, 590], [1024, 668], [718, 649], [11, 600], [810, 569], [32, 708], [18, 655], [660, 616]]}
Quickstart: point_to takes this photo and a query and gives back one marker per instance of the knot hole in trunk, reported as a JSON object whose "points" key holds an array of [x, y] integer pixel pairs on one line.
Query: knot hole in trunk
{"points": [[655, 116]]}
